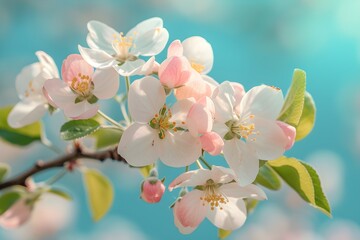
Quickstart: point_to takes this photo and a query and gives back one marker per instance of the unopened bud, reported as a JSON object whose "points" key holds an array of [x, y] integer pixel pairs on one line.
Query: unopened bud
{"points": [[152, 190]]}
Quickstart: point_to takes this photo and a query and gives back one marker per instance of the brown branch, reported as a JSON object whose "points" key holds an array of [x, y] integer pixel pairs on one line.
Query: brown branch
{"points": [[59, 162]]}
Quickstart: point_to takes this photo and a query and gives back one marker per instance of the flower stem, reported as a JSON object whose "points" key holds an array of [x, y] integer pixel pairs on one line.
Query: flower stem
{"points": [[56, 177], [127, 82], [109, 119], [202, 159], [199, 164], [186, 168]]}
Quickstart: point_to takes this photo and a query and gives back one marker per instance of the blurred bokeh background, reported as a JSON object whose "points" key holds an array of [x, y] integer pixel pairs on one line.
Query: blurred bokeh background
{"points": [[254, 42]]}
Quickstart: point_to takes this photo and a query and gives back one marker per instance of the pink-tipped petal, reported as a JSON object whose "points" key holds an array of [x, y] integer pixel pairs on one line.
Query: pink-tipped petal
{"points": [[196, 88], [16, 215], [75, 68], [175, 49], [106, 83], [212, 143], [290, 133], [174, 72], [199, 120]]}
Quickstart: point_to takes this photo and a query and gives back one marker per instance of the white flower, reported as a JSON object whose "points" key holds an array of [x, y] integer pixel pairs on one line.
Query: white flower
{"points": [[29, 85], [249, 127], [109, 48], [215, 195], [158, 131]]}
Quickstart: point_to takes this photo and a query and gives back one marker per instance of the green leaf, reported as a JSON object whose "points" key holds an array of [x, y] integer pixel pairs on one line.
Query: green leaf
{"points": [[145, 171], [100, 193], [75, 129], [250, 204], [8, 199], [307, 119], [268, 178], [106, 137], [222, 234], [4, 169], [18, 136], [304, 180], [60, 193], [294, 102]]}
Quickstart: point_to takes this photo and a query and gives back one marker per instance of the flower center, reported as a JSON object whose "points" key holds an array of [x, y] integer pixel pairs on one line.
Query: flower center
{"points": [[30, 89], [162, 122], [212, 197], [122, 46], [198, 67], [242, 129], [82, 84]]}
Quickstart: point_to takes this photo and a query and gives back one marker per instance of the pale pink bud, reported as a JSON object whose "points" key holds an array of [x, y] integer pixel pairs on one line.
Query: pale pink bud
{"points": [[290, 133], [175, 72], [16, 215], [175, 49], [152, 190], [212, 143]]}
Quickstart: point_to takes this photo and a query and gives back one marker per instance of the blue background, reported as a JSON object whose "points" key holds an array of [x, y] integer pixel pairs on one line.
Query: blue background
{"points": [[254, 42]]}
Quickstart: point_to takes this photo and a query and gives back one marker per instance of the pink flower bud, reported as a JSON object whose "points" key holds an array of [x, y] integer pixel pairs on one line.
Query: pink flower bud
{"points": [[212, 143], [175, 72], [152, 190], [16, 215], [290, 133]]}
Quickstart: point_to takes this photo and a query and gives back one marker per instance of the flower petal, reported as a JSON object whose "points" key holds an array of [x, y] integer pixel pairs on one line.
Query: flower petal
{"points": [[223, 98], [195, 87], [27, 111], [212, 143], [242, 159], [74, 65], [191, 179], [234, 190], [145, 26], [106, 83], [175, 49], [221, 174], [180, 111], [199, 120], [189, 209], [271, 141], [179, 149], [151, 42], [96, 58], [262, 101], [101, 36], [28, 76], [174, 72], [130, 68], [290, 133], [59, 93], [49, 67], [16, 215], [81, 110], [199, 51], [146, 97], [230, 217], [138, 145]]}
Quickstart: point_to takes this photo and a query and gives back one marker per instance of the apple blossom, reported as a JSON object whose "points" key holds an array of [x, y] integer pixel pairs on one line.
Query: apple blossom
{"points": [[109, 48], [157, 131], [215, 195], [81, 87], [29, 85], [16, 215], [250, 128]]}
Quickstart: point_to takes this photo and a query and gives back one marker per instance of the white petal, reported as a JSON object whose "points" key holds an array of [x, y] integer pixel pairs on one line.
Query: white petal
{"points": [[191, 179], [262, 101], [81, 110], [180, 110], [151, 42], [179, 149], [26, 112], [146, 97], [101, 36], [96, 58], [234, 190], [242, 159], [106, 83], [26, 78], [223, 98], [182, 229], [145, 26], [221, 129], [271, 141], [189, 210], [137, 145], [199, 51], [130, 68], [212, 83], [59, 93], [231, 217], [222, 175], [48, 64]]}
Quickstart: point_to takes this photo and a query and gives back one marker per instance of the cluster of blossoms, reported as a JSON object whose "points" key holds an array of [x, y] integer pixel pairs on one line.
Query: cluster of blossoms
{"points": [[176, 114]]}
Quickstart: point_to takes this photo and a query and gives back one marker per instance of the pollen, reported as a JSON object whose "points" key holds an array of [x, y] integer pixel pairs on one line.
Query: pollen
{"points": [[197, 67], [212, 197], [82, 84]]}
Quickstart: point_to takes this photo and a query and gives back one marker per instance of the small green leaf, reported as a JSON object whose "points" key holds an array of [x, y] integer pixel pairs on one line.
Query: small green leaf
{"points": [[4, 169], [78, 128], [145, 171], [8, 199], [60, 193], [222, 234], [100, 193], [18, 136], [304, 180], [307, 119], [250, 204], [268, 178], [294, 102], [106, 137]]}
